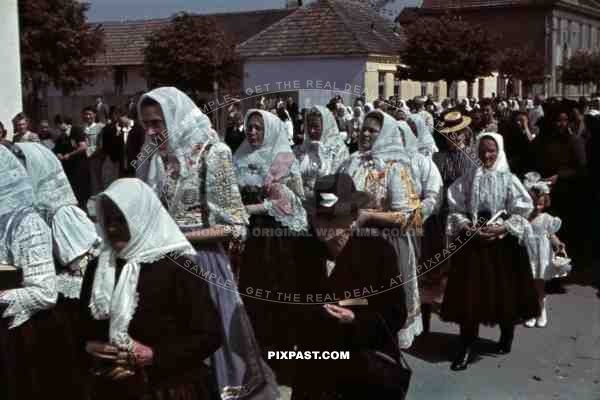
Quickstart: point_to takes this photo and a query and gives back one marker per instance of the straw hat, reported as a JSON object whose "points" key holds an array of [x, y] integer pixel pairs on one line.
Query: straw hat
{"points": [[454, 121]]}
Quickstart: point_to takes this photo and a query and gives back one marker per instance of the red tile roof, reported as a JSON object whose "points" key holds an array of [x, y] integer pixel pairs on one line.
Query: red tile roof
{"points": [[445, 4], [327, 27], [125, 41]]}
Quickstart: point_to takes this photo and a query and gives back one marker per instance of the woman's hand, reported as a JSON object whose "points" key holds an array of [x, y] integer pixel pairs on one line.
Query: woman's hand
{"points": [[552, 180], [492, 232], [363, 218], [342, 314], [105, 351], [140, 356], [255, 209]]}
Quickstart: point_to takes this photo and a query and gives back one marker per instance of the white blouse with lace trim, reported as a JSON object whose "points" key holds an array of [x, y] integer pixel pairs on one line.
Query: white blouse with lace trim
{"points": [[31, 250]]}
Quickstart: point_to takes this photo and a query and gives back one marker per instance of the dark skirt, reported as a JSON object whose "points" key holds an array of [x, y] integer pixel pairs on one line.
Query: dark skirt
{"points": [[268, 282], [38, 359], [490, 283], [139, 388], [434, 264]]}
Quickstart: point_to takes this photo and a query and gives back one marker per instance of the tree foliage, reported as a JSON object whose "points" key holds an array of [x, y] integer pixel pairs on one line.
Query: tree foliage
{"points": [[582, 68], [524, 63], [191, 53], [56, 44], [447, 48]]}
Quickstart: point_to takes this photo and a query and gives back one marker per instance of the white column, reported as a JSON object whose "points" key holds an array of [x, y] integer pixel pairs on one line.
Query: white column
{"points": [[10, 67]]}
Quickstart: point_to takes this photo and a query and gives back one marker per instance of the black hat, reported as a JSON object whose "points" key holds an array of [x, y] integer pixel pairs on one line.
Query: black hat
{"points": [[336, 197]]}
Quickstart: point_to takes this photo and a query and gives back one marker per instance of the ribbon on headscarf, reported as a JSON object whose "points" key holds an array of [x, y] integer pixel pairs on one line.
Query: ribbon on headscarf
{"points": [[533, 181]]}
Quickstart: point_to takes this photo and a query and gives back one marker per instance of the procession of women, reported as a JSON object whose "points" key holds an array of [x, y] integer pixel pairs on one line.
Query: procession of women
{"points": [[100, 300]]}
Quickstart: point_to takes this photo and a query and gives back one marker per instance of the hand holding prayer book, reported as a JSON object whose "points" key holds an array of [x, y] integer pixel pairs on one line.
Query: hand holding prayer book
{"points": [[10, 277]]}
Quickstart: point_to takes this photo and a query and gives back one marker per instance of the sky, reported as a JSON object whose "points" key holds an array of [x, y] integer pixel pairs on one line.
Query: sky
{"points": [[117, 10]]}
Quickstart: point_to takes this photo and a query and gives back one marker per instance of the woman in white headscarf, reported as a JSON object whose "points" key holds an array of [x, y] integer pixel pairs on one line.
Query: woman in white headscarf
{"points": [[200, 190], [33, 336], [271, 186], [151, 322], [382, 168], [490, 280], [73, 234], [323, 149], [425, 142]]}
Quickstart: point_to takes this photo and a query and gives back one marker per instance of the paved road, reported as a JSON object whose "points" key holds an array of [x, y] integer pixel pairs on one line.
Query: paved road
{"points": [[561, 361]]}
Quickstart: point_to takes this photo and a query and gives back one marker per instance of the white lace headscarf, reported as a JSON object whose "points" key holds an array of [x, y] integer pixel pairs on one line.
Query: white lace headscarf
{"points": [[388, 146], [154, 235], [186, 126], [72, 231], [259, 159], [425, 140], [16, 190], [500, 166], [330, 141]]}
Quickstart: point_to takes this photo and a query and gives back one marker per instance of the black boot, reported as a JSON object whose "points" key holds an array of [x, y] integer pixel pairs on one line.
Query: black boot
{"points": [[506, 338], [461, 362], [426, 317], [468, 335]]}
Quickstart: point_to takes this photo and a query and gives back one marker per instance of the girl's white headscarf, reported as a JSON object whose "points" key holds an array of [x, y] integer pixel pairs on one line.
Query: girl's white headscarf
{"points": [[154, 235], [72, 231], [499, 167], [330, 141], [533, 181]]}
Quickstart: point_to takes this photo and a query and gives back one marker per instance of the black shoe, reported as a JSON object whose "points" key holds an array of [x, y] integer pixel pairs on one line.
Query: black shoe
{"points": [[461, 362]]}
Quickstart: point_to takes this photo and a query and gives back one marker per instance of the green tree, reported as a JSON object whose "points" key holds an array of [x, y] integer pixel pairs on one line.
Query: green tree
{"points": [[56, 44], [191, 53], [523, 63], [582, 68], [447, 48]]}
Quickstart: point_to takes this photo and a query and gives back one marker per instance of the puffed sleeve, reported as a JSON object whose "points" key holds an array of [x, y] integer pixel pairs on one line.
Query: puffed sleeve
{"points": [[553, 224], [31, 248], [431, 185], [223, 192], [457, 205], [519, 207]]}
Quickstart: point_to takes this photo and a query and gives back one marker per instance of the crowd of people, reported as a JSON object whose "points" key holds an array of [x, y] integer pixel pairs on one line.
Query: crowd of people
{"points": [[161, 259]]}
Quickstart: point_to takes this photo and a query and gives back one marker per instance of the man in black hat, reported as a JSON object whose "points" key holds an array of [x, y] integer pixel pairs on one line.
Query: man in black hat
{"points": [[356, 303]]}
